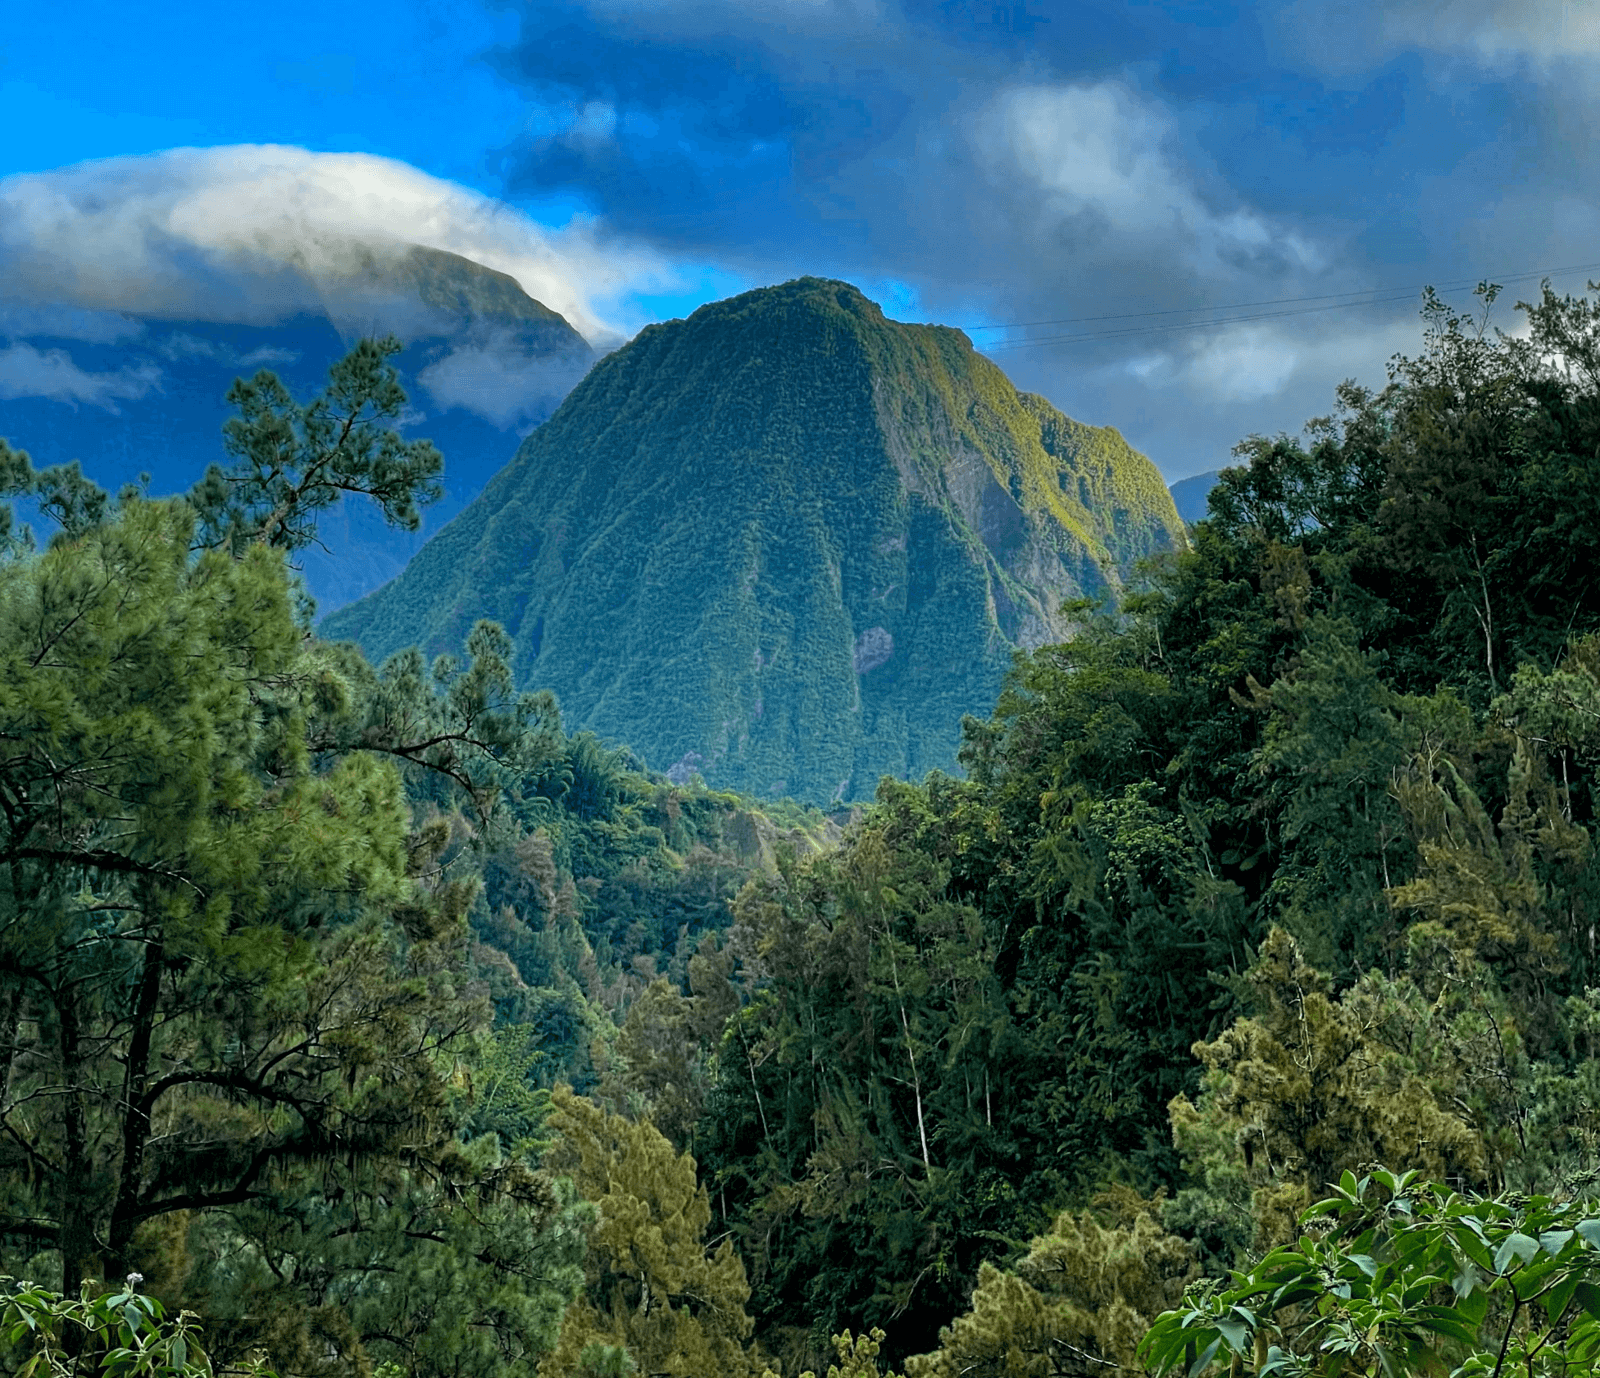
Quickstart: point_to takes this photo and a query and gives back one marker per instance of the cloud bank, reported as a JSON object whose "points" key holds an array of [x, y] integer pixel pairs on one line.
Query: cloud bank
{"points": [[499, 383], [256, 233], [1087, 165]]}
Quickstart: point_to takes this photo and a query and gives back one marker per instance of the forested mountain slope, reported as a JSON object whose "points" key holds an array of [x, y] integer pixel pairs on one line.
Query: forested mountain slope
{"points": [[1286, 870], [786, 543]]}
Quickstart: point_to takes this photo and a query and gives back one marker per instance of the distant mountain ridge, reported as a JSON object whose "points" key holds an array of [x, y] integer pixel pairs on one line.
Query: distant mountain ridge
{"points": [[483, 363], [785, 543], [1190, 494], [431, 293]]}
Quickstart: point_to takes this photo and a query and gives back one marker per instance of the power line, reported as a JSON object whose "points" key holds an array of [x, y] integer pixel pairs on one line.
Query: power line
{"points": [[1332, 301]]}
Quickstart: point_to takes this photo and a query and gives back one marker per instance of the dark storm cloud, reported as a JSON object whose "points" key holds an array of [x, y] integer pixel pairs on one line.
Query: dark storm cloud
{"points": [[1020, 163]]}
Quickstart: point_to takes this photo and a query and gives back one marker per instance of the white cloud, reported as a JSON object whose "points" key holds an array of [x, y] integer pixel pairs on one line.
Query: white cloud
{"points": [[29, 372], [1545, 34], [1542, 29], [1254, 362], [253, 232], [266, 356], [1243, 365], [21, 320], [595, 123], [180, 345], [1099, 164], [500, 383]]}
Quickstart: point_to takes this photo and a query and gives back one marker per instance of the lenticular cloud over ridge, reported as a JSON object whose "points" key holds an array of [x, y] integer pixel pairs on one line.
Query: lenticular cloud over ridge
{"points": [[253, 233]]}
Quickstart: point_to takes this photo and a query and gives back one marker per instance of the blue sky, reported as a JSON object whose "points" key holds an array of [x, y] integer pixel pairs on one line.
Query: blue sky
{"points": [[971, 162]]}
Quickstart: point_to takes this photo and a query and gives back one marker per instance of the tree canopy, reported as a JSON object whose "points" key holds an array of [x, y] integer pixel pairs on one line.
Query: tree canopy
{"points": [[378, 1021]]}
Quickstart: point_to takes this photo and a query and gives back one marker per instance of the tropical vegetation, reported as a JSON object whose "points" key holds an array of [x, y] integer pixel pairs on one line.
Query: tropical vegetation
{"points": [[1235, 1007]]}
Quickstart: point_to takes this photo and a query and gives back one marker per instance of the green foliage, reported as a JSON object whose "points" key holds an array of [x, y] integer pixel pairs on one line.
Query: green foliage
{"points": [[1281, 868], [233, 999], [1078, 1302], [236, 987], [1291, 804], [784, 544], [859, 1356], [1402, 1276], [460, 1262], [61, 493], [654, 1289], [292, 461], [1333, 744], [850, 1123], [118, 1334], [1309, 1085]]}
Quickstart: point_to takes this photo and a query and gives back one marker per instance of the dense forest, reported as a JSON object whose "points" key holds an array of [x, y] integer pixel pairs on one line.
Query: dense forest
{"points": [[375, 1024]]}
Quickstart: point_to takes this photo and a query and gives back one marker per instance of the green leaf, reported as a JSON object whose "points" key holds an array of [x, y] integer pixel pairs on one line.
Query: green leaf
{"points": [[1530, 1281], [1277, 1361], [1588, 1297], [1554, 1241], [1475, 1249], [1474, 1307], [1556, 1299], [1237, 1334], [1418, 1290], [1515, 1246], [1202, 1363], [1443, 1321], [1366, 1263]]}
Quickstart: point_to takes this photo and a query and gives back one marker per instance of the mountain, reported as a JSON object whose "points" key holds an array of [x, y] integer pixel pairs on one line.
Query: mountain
{"points": [[786, 543], [484, 362], [1189, 494]]}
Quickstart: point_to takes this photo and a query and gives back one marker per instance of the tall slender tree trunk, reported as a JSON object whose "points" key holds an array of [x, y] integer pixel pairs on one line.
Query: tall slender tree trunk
{"points": [[77, 1226], [10, 1023], [1485, 617], [916, 1090], [911, 1052], [750, 1062], [135, 1113]]}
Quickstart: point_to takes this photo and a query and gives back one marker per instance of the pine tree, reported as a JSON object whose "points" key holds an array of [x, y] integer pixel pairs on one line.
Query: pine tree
{"points": [[654, 1291], [236, 990], [1078, 1303]]}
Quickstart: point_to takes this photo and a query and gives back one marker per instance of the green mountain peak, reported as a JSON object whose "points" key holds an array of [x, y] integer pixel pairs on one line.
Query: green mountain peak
{"points": [[786, 543]]}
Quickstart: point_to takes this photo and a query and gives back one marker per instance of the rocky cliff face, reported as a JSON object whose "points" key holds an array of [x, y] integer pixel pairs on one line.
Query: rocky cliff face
{"points": [[786, 543]]}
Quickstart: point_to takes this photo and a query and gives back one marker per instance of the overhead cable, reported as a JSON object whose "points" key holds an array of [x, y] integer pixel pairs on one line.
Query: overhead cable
{"points": [[1330, 301]]}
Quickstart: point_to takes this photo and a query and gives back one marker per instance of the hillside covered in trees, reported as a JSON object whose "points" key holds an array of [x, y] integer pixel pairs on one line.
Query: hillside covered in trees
{"points": [[374, 1018], [785, 543]]}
